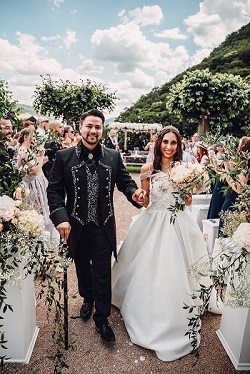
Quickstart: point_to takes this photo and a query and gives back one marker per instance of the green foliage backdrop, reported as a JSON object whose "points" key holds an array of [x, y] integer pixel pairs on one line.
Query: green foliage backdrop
{"points": [[69, 100], [212, 99]]}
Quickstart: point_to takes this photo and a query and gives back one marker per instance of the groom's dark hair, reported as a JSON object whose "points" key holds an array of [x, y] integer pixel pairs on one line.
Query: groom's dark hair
{"points": [[93, 112]]}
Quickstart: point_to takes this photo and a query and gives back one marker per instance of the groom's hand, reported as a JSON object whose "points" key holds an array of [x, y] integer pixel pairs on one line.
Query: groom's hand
{"points": [[64, 229]]}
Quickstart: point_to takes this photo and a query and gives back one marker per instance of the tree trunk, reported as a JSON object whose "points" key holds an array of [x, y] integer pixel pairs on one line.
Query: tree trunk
{"points": [[203, 126]]}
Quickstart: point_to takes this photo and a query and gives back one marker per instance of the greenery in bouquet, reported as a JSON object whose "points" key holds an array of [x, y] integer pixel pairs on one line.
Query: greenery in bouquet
{"points": [[24, 242], [186, 178], [230, 264]]}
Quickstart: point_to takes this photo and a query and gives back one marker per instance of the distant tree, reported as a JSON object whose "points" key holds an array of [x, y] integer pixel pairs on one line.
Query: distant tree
{"points": [[8, 106], [70, 100], [208, 100]]}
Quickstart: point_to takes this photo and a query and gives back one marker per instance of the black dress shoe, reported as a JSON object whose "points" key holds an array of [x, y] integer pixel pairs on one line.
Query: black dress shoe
{"points": [[86, 311], [106, 332]]}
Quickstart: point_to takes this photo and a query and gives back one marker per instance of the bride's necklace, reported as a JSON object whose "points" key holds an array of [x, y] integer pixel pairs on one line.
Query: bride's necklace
{"points": [[165, 167]]}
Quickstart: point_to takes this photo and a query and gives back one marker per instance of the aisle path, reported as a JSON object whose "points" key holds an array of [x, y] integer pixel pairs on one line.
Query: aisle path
{"points": [[92, 356]]}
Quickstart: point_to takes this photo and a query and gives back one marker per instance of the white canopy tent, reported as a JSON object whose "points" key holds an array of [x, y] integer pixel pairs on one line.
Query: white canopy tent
{"points": [[134, 127]]}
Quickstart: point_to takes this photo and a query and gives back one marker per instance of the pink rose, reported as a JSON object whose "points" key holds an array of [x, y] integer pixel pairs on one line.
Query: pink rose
{"points": [[1, 227], [14, 221]]}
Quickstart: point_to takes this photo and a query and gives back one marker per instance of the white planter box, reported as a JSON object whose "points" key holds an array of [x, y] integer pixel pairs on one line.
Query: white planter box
{"points": [[234, 334], [19, 326]]}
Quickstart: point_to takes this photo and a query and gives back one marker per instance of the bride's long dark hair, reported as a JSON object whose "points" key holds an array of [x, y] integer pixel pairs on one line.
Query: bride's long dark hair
{"points": [[157, 148]]}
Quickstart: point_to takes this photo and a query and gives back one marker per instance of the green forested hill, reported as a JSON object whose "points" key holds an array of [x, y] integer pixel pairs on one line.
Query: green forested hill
{"points": [[232, 57]]}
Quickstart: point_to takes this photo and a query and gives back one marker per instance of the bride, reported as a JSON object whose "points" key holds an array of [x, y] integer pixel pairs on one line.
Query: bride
{"points": [[151, 280]]}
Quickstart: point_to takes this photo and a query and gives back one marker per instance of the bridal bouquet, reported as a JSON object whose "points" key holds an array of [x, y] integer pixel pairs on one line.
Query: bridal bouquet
{"points": [[186, 178]]}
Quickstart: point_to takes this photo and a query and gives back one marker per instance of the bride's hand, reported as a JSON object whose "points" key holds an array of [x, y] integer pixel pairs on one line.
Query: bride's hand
{"points": [[188, 200]]}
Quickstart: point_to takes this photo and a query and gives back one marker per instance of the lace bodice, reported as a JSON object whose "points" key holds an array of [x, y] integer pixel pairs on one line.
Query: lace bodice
{"points": [[160, 191]]}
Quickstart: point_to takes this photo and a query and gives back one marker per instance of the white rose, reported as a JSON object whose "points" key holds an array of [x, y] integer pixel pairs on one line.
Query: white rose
{"points": [[241, 236]]}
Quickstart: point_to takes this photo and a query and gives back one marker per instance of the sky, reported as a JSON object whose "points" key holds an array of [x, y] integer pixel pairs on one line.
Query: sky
{"points": [[130, 46]]}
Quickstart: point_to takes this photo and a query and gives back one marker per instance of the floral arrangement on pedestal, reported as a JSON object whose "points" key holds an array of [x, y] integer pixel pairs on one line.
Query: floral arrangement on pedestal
{"points": [[24, 242], [186, 178], [229, 269]]}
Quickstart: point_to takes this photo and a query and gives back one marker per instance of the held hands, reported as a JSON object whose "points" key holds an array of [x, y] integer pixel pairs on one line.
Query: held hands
{"points": [[140, 197], [64, 229]]}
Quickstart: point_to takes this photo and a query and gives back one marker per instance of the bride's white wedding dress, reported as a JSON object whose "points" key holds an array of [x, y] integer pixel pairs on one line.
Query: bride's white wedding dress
{"points": [[151, 280]]}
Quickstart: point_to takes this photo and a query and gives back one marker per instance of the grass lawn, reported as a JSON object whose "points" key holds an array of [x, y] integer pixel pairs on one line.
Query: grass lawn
{"points": [[133, 169]]}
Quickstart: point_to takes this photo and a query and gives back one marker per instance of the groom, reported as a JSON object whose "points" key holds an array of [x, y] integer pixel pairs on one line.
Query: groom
{"points": [[85, 175]]}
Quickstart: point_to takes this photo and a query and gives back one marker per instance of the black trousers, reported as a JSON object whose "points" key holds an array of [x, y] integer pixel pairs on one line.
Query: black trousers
{"points": [[93, 268]]}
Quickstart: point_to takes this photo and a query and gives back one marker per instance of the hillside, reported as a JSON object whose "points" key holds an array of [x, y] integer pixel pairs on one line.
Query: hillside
{"points": [[232, 56], [27, 111]]}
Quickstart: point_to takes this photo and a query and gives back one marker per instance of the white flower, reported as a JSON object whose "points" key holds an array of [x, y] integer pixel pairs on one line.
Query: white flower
{"points": [[241, 236], [30, 222]]}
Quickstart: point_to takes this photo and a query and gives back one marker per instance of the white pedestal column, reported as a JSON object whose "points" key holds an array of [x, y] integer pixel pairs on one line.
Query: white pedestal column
{"points": [[19, 326], [234, 334], [210, 232]]}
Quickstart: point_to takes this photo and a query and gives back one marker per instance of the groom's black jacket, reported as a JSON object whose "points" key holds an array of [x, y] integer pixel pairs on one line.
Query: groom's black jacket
{"points": [[67, 191]]}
